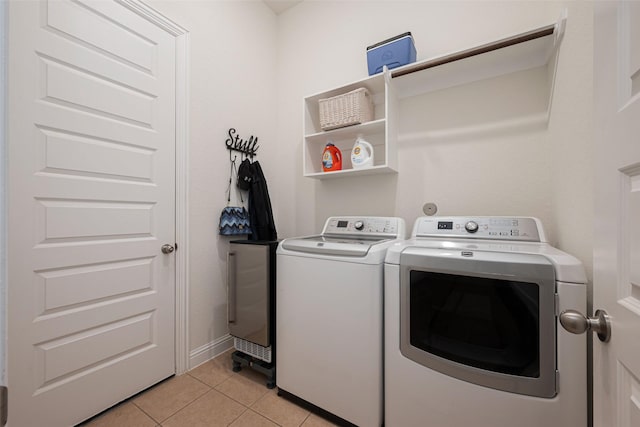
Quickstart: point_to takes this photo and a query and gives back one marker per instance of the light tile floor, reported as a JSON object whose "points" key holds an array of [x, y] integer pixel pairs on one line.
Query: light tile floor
{"points": [[209, 395]]}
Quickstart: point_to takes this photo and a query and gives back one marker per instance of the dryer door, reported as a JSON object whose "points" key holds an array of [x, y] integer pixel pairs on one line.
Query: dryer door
{"points": [[483, 317]]}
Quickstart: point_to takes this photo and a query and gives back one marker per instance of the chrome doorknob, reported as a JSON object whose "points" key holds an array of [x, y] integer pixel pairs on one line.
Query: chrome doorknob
{"points": [[577, 323], [167, 249]]}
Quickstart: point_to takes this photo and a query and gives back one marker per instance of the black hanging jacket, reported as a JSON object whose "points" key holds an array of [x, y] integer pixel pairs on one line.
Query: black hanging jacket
{"points": [[263, 226]]}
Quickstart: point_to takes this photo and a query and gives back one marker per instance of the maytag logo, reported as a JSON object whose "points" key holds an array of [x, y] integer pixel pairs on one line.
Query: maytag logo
{"points": [[466, 253]]}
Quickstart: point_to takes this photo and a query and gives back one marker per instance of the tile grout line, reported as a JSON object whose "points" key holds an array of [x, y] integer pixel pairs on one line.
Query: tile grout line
{"points": [[257, 413], [207, 390], [230, 397], [305, 419], [202, 382], [144, 412], [263, 415], [241, 414], [171, 415], [225, 395], [274, 421], [246, 407]]}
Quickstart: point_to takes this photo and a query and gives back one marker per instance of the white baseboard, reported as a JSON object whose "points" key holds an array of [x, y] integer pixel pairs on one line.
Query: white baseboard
{"points": [[210, 350]]}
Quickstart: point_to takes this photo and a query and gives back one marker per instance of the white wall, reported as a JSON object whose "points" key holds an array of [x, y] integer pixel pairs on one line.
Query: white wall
{"points": [[572, 149], [457, 147], [572, 131], [251, 70], [232, 84]]}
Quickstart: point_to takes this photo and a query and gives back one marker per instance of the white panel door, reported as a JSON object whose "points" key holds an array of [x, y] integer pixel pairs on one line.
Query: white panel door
{"points": [[91, 201], [617, 216]]}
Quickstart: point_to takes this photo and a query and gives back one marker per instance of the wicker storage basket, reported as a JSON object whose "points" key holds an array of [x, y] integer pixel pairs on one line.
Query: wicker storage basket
{"points": [[351, 108]]}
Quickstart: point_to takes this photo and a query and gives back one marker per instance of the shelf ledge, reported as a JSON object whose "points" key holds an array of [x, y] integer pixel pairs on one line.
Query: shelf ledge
{"points": [[375, 170], [516, 53], [350, 131], [479, 50]]}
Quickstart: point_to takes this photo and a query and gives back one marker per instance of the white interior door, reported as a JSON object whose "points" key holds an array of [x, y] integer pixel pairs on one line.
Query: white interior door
{"points": [[617, 228], [91, 185]]}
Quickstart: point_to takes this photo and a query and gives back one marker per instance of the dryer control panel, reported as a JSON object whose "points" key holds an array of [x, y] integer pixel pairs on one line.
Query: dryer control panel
{"points": [[526, 229], [374, 226]]}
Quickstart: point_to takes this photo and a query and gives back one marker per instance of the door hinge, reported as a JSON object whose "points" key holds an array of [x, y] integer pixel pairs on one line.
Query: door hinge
{"points": [[557, 381], [4, 408], [556, 303]]}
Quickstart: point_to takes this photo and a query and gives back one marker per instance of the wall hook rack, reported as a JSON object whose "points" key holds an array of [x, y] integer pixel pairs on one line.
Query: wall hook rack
{"points": [[247, 147]]}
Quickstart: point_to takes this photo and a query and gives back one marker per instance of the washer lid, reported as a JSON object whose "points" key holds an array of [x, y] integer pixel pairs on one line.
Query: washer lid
{"points": [[333, 245]]}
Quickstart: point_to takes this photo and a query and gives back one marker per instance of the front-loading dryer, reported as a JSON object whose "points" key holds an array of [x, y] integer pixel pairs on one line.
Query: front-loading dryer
{"points": [[329, 316], [472, 335]]}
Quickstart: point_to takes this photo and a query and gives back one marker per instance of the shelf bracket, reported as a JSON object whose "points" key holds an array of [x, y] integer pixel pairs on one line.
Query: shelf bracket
{"points": [[561, 26], [387, 74]]}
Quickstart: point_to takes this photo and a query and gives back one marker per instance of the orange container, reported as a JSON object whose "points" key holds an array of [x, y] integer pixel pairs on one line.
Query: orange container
{"points": [[331, 158]]}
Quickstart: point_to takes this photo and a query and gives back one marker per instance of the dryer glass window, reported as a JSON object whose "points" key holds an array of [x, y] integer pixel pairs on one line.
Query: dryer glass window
{"points": [[486, 323]]}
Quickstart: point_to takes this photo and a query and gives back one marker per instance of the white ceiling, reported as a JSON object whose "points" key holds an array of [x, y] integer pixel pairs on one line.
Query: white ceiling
{"points": [[279, 6]]}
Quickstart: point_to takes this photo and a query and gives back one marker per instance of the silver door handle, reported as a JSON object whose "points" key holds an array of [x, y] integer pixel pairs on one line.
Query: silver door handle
{"points": [[167, 249], [577, 323], [231, 287]]}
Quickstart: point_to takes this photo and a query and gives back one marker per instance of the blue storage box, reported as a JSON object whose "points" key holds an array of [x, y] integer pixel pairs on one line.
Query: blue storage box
{"points": [[393, 52]]}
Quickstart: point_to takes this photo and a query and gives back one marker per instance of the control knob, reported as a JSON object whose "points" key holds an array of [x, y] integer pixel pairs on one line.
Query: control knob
{"points": [[358, 225], [471, 226]]}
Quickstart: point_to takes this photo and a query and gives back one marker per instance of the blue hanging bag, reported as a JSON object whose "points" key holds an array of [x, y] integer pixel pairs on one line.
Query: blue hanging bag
{"points": [[234, 220]]}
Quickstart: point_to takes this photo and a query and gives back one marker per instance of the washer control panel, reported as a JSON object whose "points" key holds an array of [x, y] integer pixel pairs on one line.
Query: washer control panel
{"points": [[374, 226], [527, 229]]}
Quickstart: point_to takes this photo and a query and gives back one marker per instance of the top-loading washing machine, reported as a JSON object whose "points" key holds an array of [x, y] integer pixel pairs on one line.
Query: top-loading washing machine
{"points": [[472, 335], [329, 316]]}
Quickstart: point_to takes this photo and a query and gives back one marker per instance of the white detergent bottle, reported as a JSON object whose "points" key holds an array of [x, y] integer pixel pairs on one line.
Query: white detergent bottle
{"points": [[362, 154]]}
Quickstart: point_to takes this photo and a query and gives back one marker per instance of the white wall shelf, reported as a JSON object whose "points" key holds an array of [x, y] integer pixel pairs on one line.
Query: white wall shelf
{"points": [[520, 52], [379, 132]]}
